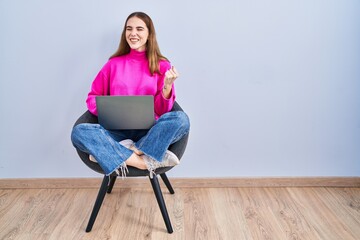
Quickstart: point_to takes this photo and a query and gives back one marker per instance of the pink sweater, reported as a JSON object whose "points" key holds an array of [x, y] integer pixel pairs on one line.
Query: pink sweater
{"points": [[130, 75]]}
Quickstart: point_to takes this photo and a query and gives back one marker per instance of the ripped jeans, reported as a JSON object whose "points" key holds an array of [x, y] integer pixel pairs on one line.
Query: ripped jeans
{"points": [[111, 155]]}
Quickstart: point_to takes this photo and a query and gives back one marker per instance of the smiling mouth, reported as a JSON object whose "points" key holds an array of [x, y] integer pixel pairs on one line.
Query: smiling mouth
{"points": [[134, 40]]}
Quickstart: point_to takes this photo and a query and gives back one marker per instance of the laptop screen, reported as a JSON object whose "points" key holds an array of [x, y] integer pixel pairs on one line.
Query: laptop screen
{"points": [[125, 112]]}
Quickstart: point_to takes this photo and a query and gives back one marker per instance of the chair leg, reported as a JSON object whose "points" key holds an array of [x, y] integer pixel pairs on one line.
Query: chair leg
{"points": [[111, 184], [98, 202], [167, 183], [159, 197]]}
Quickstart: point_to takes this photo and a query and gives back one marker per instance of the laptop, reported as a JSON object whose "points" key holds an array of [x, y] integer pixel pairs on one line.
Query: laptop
{"points": [[125, 112]]}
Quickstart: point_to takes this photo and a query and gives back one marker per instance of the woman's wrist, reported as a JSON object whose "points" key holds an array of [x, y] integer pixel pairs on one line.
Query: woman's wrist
{"points": [[167, 87], [167, 91]]}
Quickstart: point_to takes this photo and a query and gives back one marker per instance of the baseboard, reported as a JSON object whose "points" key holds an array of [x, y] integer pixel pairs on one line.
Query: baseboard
{"points": [[143, 182]]}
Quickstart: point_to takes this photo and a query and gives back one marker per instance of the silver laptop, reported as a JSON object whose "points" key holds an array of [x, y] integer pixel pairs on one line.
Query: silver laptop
{"points": [[125, 112]]}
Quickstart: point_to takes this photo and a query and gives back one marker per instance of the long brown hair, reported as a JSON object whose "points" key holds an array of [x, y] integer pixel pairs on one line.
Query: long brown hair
{"points": [[153, 53]]}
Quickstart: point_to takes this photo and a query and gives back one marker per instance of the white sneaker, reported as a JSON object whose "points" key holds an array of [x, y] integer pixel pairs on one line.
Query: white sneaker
{"points": [[128, 143], [91, 158], [170, 159]]}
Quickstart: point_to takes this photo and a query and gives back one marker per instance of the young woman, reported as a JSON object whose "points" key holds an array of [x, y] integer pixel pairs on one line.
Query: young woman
{"points": [[136, 68]]}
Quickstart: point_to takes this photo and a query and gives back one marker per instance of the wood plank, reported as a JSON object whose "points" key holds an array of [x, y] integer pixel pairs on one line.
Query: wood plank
{"points": [[288, 215], [229, 213], [199, 215], [344, 203], [326, 223], [258, 218]]}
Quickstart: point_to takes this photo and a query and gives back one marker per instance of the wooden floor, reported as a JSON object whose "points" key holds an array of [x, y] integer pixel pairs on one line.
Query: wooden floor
{"points": [[196, 213]]}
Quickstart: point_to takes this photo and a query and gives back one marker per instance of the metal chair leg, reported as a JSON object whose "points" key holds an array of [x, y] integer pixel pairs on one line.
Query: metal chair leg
{"points": [[167, 183], [111, 184], [159, 197], [98, 202]]}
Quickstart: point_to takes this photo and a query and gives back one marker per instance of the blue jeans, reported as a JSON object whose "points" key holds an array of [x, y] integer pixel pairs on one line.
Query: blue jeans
{"points": [[110, 154]]}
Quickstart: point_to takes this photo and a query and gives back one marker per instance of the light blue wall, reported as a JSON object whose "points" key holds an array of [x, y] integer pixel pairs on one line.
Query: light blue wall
{"points": [[271, 87]]}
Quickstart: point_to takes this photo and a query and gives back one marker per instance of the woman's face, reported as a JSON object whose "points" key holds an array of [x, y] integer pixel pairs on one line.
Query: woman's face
{"points": [[136, 34]]}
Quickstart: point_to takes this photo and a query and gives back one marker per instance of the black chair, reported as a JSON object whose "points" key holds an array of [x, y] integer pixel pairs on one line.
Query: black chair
{"points": [[107, 184]]}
